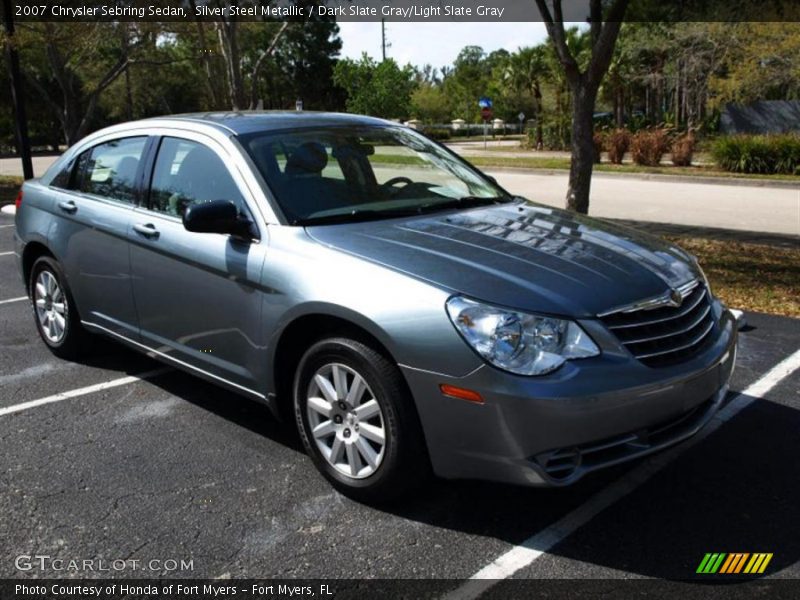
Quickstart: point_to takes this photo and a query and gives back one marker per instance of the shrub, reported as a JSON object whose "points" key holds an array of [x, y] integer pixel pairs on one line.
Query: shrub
{"points": [[529, 141], [788, 153], [556, 132], [758, 153], [648, 147], [597, 139], [683, 150], [617, 143], [438, 133]]}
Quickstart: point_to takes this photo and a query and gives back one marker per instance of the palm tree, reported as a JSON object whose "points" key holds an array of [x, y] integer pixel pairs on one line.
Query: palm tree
{"points": [[528, 68]]}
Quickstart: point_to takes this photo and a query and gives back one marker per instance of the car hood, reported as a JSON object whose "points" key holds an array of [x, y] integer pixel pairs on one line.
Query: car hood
{"points": [[520, 255]]}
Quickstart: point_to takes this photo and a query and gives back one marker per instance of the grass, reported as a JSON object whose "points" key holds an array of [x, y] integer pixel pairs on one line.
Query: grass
{"points": [[9, 186], [479, 138], [750, 277], [559, 163]]}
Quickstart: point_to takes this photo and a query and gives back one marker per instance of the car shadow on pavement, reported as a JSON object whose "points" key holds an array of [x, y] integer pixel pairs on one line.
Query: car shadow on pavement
{"points": [[736, 491], [482, 508], [244, 412], [105, 353]]}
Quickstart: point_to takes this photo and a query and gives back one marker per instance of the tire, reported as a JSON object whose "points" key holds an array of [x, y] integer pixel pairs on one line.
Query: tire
{"points": [[349, 453], [54, 311]]}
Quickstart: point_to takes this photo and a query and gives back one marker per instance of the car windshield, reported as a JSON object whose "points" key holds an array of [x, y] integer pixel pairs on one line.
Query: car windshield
{"points": [[348, 174]]}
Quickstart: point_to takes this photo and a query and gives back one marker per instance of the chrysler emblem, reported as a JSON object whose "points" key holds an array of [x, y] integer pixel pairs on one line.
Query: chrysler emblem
{"points": [[675, 298]]}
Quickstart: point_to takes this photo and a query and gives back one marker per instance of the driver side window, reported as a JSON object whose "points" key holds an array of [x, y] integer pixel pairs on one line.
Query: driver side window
{"points": [[187, 173]]}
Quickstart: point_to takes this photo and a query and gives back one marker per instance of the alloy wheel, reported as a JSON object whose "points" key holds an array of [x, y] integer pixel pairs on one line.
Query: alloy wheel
{"points": [[346, 421], [51, 306]]}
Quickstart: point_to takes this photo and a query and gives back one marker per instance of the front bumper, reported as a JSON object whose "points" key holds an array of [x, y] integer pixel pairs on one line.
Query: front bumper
{"points": [[590, 414]]}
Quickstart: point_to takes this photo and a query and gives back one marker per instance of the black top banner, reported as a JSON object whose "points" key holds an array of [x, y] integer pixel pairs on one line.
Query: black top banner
{"points": [[498, 11]]}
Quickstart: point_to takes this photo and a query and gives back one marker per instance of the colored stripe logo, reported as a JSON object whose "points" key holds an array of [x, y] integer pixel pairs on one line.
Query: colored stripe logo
{"points": [[734, 563]]}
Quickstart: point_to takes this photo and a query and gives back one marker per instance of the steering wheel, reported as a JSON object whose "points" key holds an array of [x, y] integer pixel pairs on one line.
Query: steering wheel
{"points": [[394, 181]]}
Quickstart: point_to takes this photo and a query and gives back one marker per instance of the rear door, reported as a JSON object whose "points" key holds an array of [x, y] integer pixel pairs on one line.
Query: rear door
{"points": [[90, 234], [198, 294]]}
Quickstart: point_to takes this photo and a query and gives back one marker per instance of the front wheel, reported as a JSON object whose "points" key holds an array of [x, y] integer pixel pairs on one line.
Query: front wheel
{"points": [[357, 420], [57, 320]]}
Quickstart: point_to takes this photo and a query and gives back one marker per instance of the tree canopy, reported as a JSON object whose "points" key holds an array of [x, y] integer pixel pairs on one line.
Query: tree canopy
{"points": [[82, 76]]}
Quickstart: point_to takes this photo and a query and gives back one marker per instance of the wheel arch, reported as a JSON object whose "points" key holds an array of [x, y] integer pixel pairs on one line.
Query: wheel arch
{"points": [[303, 330], [32, 252]]}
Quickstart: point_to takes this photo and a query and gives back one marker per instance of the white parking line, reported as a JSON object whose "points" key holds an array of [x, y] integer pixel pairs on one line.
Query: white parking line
{"points": [[20, 299], [6, 253], [536, 546], [4, 226], [83, 391]]}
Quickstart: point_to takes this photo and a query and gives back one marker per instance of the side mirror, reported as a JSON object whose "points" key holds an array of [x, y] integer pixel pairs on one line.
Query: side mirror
{"points": [[217, 216]]}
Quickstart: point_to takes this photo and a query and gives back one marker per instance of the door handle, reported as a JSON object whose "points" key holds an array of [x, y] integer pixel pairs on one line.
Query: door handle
{"points": [[68, 206], [147, 230]]}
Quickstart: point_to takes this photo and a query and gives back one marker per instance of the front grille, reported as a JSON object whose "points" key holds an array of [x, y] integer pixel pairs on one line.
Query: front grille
{"points": [[667, 335]]}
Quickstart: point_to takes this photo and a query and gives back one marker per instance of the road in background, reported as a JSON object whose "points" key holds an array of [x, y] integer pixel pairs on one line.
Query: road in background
{"points": [[13, 166], [739, 207]]}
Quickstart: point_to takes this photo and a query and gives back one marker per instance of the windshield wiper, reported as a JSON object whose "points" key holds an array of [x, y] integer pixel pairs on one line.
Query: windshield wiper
{"points": [[356, 215], [463, 202]]}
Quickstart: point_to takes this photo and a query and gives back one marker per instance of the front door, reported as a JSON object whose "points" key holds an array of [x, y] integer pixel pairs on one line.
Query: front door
{"points": [[197, 294]]}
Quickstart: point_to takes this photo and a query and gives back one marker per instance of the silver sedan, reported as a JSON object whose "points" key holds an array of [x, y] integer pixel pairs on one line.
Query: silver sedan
{"points": [[406, 312]]}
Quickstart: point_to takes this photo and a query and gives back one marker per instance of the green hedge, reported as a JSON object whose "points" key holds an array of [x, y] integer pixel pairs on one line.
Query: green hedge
{"points": [[437, 133], [758, 153]]}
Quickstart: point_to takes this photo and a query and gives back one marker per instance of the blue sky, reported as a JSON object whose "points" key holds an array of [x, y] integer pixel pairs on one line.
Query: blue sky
{"points": [[436, 43]]}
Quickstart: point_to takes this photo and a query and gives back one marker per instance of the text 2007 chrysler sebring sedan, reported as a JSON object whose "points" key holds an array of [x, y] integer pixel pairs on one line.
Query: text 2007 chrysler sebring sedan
{"points": [[406, 310]]}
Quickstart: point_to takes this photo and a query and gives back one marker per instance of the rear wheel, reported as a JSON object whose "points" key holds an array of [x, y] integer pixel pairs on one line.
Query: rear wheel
{"points": [[56, 319], [357, 420]]}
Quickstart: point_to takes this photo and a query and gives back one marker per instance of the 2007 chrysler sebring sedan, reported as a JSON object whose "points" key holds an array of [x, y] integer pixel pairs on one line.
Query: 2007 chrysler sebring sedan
{"points": [[407, 311]]}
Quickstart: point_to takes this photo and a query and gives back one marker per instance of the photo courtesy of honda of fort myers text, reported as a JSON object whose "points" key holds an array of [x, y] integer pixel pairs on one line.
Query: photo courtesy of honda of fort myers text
{"points": [[409, 299]]}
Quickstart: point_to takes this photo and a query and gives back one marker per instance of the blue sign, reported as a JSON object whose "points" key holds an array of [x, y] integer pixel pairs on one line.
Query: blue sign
{"points": [[485, 102]]}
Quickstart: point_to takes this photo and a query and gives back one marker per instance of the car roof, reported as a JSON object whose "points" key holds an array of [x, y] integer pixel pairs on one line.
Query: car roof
{"points": [[243, 122]]}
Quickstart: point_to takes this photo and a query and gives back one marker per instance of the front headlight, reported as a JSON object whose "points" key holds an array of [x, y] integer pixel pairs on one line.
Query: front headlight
{"points": [[519, 342]]}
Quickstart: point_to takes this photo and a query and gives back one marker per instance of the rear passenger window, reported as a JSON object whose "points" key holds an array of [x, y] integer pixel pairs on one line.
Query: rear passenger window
{"points": [[109, 170], [63, 178], [187, 173]]}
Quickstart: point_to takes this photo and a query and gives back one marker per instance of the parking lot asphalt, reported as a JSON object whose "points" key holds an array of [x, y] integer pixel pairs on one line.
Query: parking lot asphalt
{"points": [[175, 468]]}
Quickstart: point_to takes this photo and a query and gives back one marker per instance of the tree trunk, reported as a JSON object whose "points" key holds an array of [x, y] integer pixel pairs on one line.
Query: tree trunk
{"points": [[205, 54], [227, 32], [584, 86], [257, 67], [537, 94], [580, 171], [128, 96]]}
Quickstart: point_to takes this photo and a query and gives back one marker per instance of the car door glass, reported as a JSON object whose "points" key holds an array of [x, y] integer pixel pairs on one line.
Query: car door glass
{"points": [[109, 169], [63, 178], [187, 173]]}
